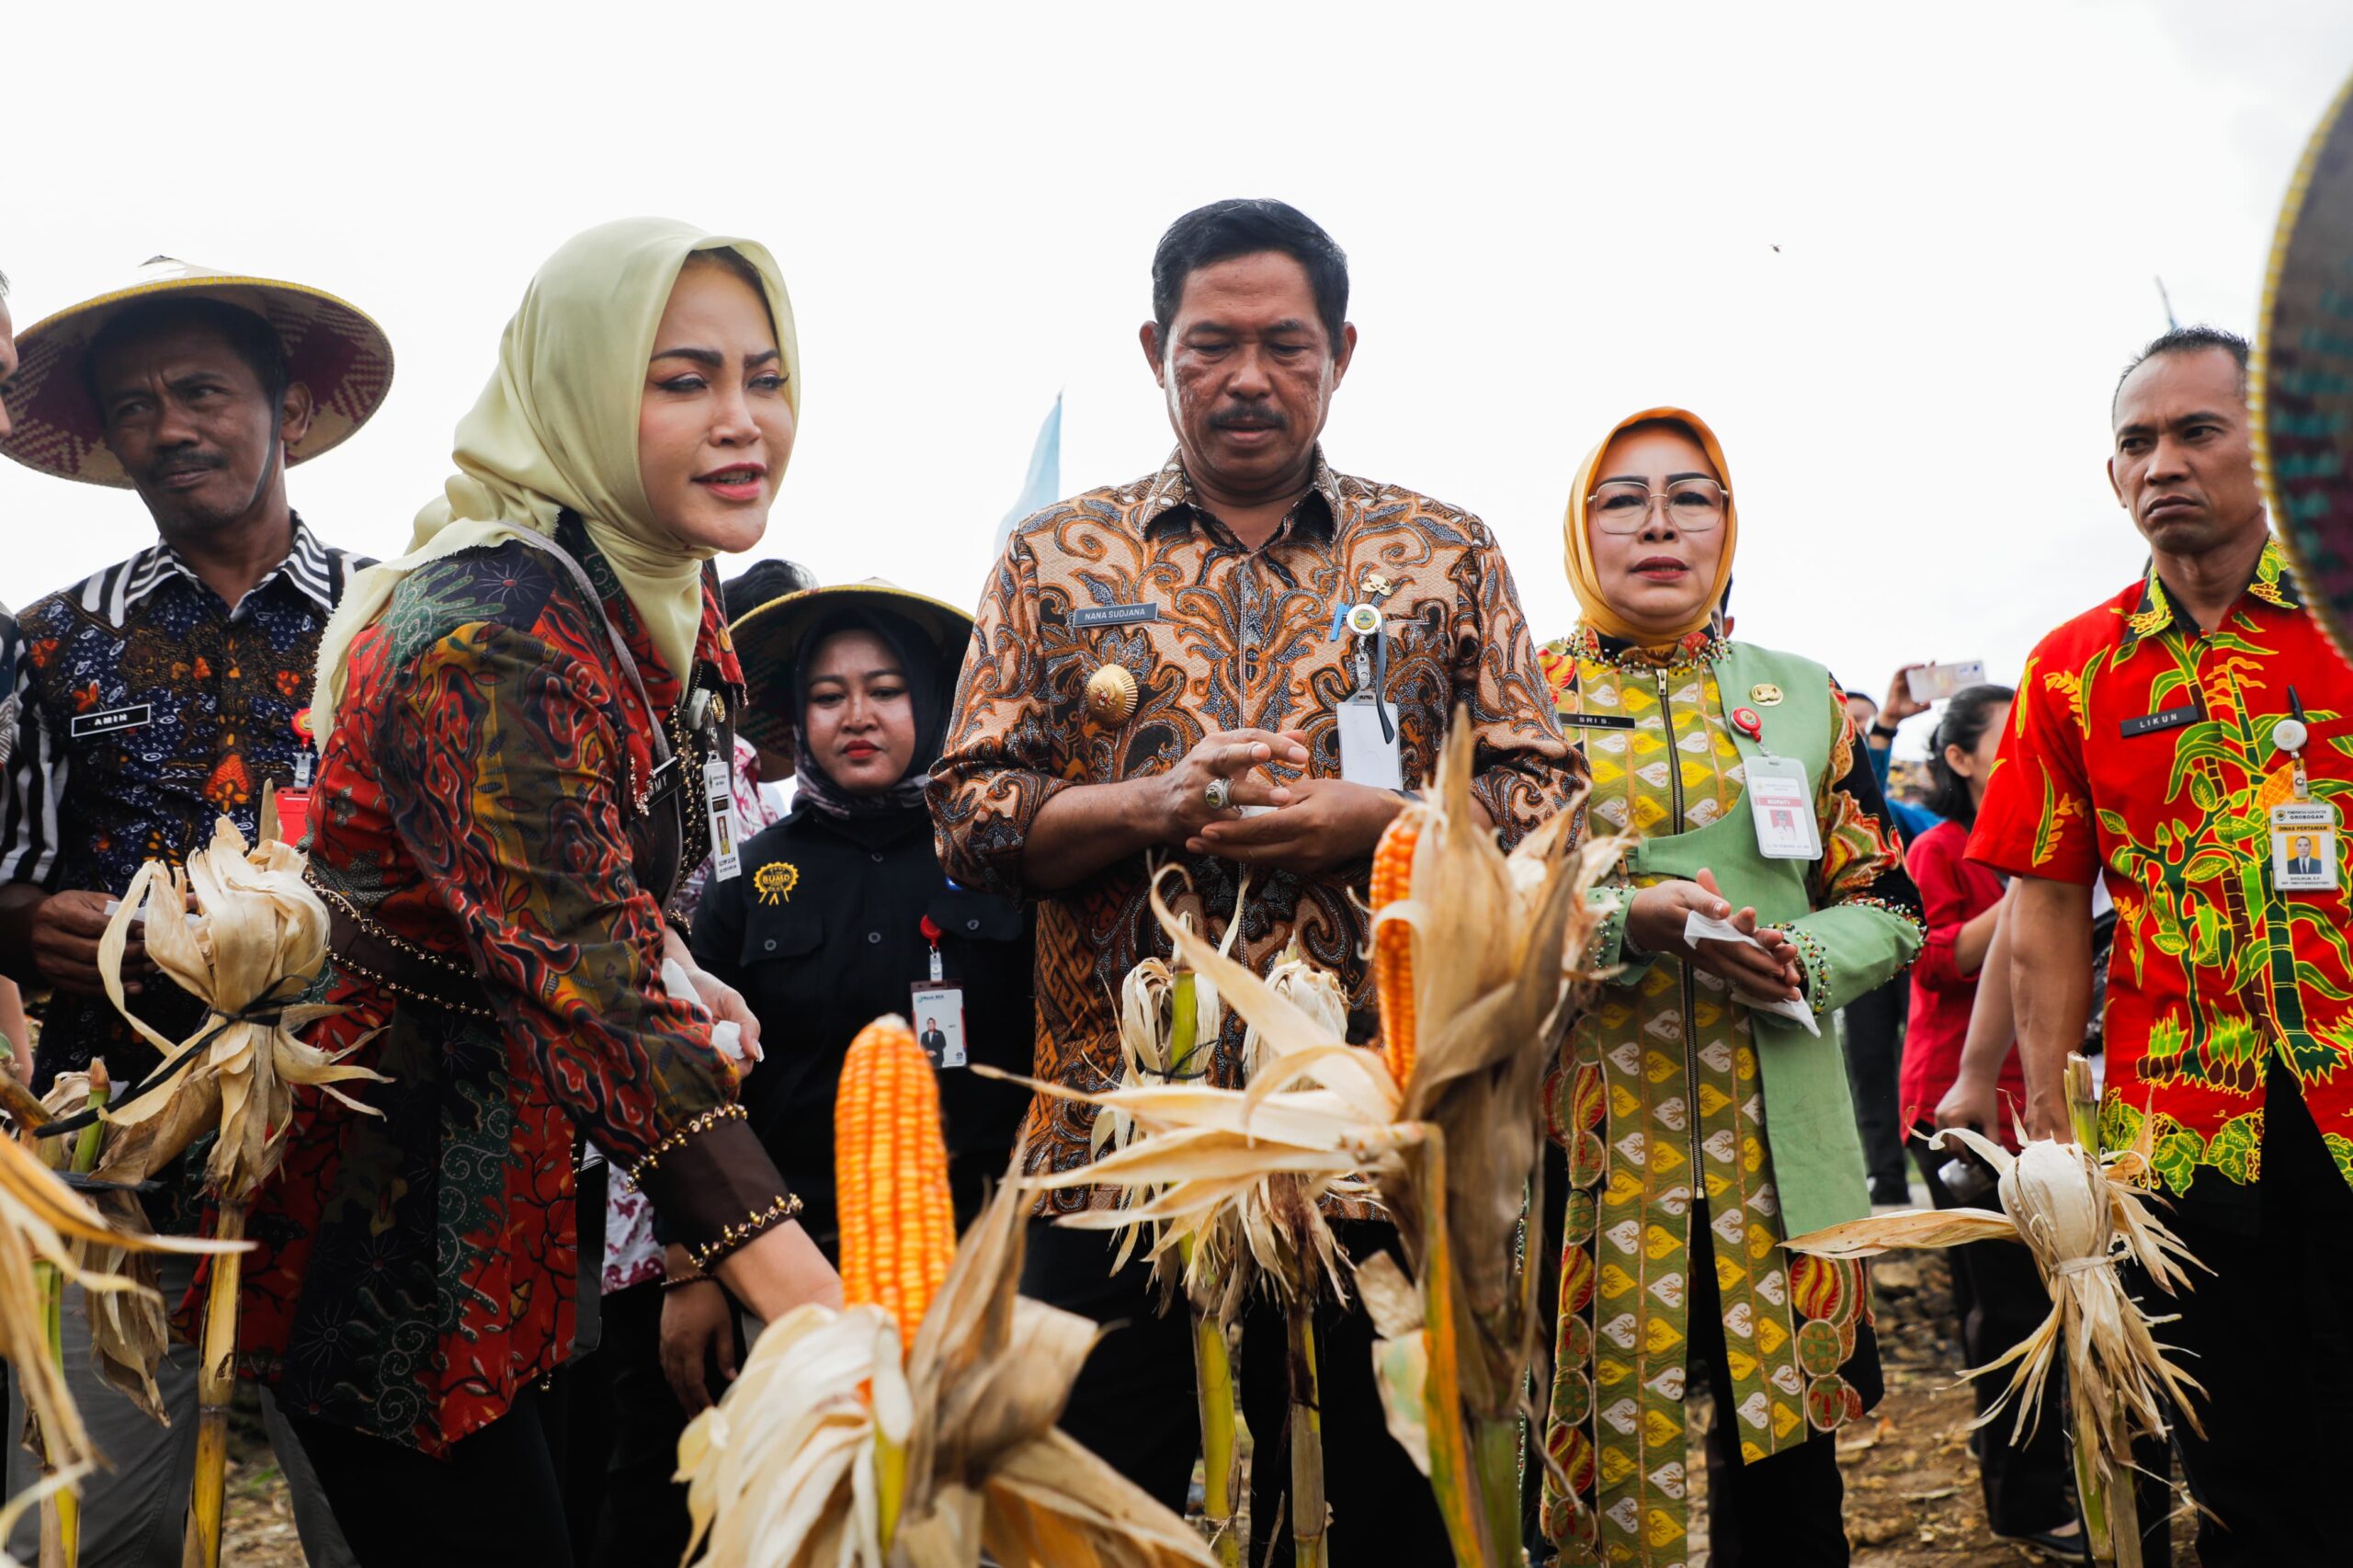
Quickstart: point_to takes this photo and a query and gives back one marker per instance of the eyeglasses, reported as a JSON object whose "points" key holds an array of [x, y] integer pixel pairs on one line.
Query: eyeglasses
{"points": [[1689, 505]]}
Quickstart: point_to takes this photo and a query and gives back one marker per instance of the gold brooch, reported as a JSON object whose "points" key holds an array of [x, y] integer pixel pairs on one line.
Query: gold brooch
{"points": [[1766, 695], [1111, 695], [775, 881]]}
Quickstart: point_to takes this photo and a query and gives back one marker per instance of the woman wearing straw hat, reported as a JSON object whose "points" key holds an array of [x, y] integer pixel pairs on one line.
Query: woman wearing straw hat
{"points": [[531, 718], [843, 914], [1701, 1104]]}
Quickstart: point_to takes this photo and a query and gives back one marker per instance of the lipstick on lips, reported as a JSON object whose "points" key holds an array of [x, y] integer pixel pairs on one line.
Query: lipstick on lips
{"points": [[736, 482]]}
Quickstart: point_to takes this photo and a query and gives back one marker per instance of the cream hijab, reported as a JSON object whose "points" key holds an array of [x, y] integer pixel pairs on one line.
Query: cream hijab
{"points": [[1577, 533], [556, 429]]}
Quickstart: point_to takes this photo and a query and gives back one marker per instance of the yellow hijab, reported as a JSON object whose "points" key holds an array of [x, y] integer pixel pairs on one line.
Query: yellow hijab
{"points": [[1578, 535], [556, 429]]}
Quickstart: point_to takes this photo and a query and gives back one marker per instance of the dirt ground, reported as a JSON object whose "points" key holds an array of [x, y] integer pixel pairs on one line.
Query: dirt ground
{"points": [[1911, 1499]]}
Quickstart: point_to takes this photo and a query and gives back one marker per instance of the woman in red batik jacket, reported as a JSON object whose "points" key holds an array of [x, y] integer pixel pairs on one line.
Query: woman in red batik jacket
{"points": [[511, 784]]}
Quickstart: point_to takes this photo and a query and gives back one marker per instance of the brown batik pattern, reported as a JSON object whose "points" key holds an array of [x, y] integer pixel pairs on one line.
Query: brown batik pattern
{"points": [[1241, 639]]}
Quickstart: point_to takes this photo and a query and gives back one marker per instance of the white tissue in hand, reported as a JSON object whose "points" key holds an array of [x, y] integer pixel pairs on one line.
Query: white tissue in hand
{"points": [[726, 1036], [1699, 927]]}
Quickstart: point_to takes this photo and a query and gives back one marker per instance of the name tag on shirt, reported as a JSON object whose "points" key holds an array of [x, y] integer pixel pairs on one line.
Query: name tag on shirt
{"points": [[2164, 719], [1598, 720], [1780, 802], [719, 795], [113, 719], [1089, 618], [1367, 757]]}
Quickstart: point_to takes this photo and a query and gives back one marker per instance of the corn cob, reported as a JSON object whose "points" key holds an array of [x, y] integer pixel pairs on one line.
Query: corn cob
{"points": [[898, 1226], [1392, 943]]}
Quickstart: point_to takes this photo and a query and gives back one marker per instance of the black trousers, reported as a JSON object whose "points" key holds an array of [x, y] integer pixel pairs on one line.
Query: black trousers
{"points": [[1874, 1070], [496, 1501], [623, 1446], [1134, 1405], [1998, 1295], [2269, 1333]]}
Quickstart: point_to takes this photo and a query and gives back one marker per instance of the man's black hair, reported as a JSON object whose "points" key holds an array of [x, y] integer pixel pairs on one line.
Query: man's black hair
{"points": [[763, 580], [1224, 230], [2189, 340], [251, 338]]}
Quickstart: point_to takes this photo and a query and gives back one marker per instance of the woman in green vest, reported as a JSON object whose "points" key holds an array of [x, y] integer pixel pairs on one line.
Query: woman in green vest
{"points": [[1700, 1108]]}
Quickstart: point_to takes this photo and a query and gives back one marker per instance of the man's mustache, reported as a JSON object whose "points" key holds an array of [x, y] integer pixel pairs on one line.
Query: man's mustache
{"points": [[1253, 418]]}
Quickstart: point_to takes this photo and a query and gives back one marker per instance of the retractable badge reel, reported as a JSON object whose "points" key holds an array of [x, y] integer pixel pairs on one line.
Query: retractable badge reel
{"points": [[938, 1007], [2304, 831], [1367, 734], [1780, 798]]}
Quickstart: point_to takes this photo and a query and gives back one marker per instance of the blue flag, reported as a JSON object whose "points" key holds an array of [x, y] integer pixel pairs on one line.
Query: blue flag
{"points": [[1044, 487]]}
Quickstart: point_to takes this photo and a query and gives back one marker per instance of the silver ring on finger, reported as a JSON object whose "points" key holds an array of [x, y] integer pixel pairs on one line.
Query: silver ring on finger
{"points": [[1217, 793]]}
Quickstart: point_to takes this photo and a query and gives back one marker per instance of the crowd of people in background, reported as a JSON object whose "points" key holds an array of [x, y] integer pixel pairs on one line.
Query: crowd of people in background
{"points": [[620, 858]]}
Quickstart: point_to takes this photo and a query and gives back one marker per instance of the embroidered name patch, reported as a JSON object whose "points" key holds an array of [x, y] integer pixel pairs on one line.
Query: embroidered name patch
{"points": [[1089, 616], [2164, 719], [112, 720]]}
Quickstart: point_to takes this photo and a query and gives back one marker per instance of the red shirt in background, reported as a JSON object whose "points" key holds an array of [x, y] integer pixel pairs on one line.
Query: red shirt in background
{"points": [[1953, 892]]}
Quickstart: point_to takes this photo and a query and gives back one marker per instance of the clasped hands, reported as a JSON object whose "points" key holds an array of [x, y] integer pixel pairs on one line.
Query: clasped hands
{"points": [[1311, 824], [1771, 969]]}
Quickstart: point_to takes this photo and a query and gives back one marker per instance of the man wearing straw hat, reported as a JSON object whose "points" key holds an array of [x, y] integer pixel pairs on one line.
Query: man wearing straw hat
{"points": [[161, 693]]}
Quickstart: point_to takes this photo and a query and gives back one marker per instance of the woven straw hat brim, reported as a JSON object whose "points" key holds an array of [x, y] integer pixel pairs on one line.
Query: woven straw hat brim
{"points": [[330, 347], [768, 638], [2300, 385]]}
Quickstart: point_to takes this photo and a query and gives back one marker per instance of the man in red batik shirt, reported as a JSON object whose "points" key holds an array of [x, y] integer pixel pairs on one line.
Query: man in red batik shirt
{"points": [[2178, 740]]}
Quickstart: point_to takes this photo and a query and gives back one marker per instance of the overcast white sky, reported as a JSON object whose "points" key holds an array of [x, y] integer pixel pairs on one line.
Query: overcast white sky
{"points": [[1554, 216]]}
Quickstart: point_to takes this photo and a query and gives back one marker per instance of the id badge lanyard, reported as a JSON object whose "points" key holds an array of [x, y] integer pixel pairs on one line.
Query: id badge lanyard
{"points": [[2304, 831], [1369, 752], [1781, 797]]}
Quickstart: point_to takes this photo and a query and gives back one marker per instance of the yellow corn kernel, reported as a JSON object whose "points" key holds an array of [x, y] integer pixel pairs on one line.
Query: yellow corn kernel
{"points": [[898, 1225], [1392, 944]]}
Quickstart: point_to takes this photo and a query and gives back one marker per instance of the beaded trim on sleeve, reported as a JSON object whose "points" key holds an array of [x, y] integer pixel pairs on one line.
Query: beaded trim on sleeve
{"points": [[1903, 912], [1815, 956], [701, 1124], [1610, 936], [735, 1236]]}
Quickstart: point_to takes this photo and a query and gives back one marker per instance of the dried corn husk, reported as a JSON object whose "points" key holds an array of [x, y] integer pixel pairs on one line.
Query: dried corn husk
{"points": [[785, 1471], [2080, 1218], [130, 1330], [33, 1496], [1499, 970], [43, 1220], [257, 940]]}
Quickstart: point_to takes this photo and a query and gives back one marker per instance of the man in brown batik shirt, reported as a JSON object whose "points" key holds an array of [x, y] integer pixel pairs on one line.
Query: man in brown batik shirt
{"points": [[1150, 660]]}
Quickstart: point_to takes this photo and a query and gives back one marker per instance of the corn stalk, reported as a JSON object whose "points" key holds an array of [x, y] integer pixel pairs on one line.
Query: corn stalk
{"points": [[1213, 1389], [1496, 973], [256, 942], [2081, 1215], [785, 1472]]}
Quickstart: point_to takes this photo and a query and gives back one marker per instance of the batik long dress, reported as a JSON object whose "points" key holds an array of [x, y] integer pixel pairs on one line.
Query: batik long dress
{"points": [[1659, 1105]]}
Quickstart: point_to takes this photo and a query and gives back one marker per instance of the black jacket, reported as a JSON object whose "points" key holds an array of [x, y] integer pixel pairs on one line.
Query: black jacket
{"points": [[837, 943]]}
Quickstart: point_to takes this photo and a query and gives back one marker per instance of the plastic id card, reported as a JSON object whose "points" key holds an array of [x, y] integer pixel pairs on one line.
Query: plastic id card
{"points": [[719, 795], [2303, 846], [1367, 757], [1780, 801]]}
